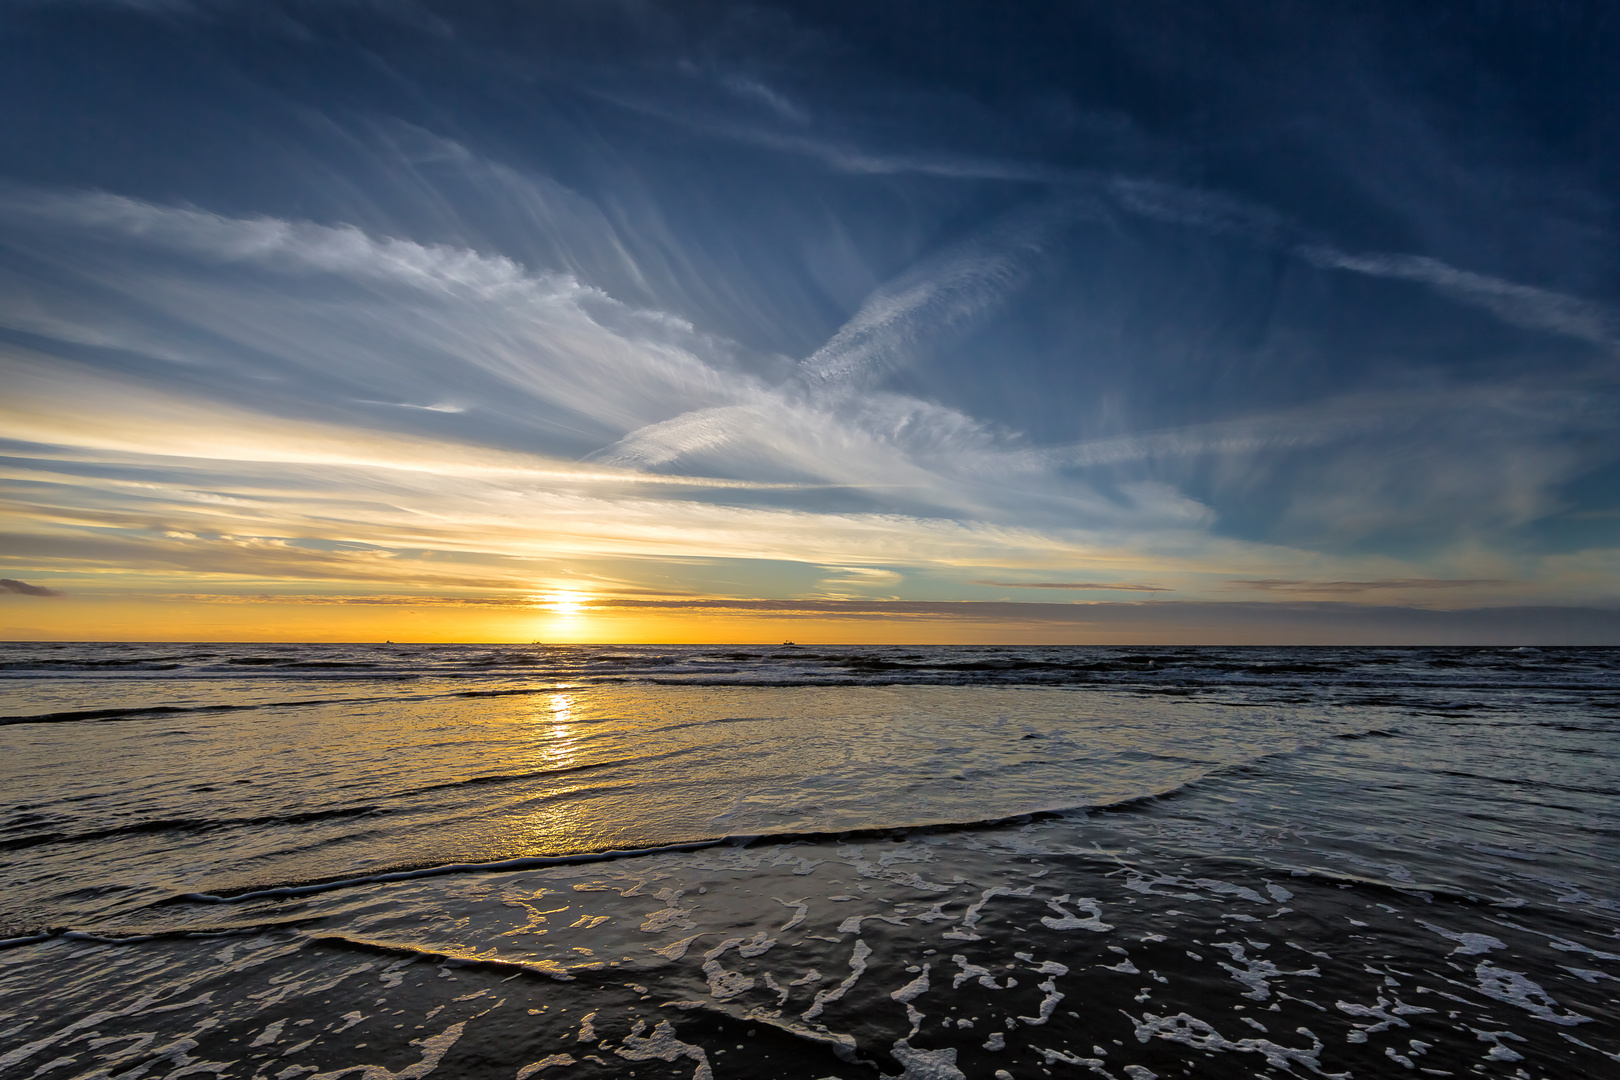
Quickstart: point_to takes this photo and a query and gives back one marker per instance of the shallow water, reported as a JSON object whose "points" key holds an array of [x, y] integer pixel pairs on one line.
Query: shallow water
{"points": [[385, 861]]}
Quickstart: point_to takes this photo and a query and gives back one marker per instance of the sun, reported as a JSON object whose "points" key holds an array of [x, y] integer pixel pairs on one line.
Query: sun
{"points": [[562, 603]]}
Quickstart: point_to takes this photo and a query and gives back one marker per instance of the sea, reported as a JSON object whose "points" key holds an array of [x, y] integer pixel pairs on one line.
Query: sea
{"points": [[388, 862]]}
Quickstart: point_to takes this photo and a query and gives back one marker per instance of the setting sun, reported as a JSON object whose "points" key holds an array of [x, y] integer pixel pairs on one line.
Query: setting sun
{"points": [[562, 603]]}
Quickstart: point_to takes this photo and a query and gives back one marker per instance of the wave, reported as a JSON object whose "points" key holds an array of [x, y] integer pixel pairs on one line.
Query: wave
{"points": [[536, 774], [199, 825], [102, 937], [1327, 668], [885, 831], [292, 662], [113, 714], [170, 662], [740, 840], [137, 712], [191, 825], [523, 863], [548, 968]]}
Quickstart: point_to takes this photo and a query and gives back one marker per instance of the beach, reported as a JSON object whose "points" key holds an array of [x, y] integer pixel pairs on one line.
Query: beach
{"points": [[372, 861]]}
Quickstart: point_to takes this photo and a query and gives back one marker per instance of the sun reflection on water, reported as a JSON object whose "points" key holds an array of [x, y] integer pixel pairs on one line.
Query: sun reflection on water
{"points": [[554, 718], [553, 824]]}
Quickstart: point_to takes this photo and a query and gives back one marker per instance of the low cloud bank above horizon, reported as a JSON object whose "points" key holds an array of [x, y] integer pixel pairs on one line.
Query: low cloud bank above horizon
{"points": [[1083, 585], [22, 588], [755, 303]]}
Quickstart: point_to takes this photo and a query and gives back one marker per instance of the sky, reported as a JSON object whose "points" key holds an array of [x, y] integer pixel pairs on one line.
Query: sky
{"points": [[623, 320]]}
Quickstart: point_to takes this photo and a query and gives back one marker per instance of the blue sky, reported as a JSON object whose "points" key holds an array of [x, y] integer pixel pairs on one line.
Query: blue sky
{"points": [[1078, 303]]}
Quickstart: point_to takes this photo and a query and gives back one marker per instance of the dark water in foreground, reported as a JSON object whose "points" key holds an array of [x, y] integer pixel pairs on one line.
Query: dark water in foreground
{"points": [[376, 862]]}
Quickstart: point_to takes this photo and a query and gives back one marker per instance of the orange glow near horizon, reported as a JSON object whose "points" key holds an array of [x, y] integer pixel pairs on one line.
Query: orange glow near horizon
{"points": [[173, 620], [594, 621]]}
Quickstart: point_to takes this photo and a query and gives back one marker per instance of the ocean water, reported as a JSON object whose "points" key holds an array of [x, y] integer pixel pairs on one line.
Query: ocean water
{"points": [[377, 862]]}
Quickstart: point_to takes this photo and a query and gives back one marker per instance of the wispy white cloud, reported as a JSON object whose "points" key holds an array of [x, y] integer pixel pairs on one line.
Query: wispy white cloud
{"points": [[938, 295], [1320, 588], [1155, 199], [1208, 210], [1084, 586], [1213, 211], [680, 436], [1520, 305], [860, 436], [1248, 436], [414, 332], [412, 312], [276, 244], [752, 89], [546, 338]]}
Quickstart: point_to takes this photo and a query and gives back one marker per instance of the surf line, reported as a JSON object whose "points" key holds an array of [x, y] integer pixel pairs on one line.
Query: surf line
{"points": [[533, 862], [524, 863], [110, 938], [741, 840]]}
